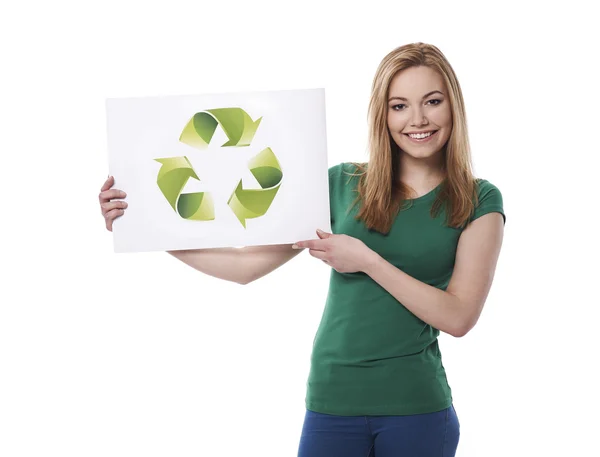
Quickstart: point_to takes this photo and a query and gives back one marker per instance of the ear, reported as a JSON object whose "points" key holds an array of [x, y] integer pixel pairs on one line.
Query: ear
{"points": [[321, 234]]}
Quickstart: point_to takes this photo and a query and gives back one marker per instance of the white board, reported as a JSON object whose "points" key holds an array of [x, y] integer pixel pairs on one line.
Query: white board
{"points": [[260, 159]]}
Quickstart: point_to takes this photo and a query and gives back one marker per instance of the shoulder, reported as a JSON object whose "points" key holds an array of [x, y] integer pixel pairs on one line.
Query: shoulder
{"points": [[335, 170], [343, 178], [484, 186], [489, 199], [344, 169], [341, 167]]}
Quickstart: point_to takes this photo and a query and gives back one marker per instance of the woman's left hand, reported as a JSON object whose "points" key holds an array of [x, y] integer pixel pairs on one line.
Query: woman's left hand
{"points": [[343, 253]]}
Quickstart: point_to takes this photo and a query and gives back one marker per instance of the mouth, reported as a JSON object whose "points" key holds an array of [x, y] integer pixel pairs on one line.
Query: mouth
{"points": [[422, 138]]}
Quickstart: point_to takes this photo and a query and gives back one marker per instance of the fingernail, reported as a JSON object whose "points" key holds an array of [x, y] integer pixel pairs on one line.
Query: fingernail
{"points": [[123, 194], [295, 246]]}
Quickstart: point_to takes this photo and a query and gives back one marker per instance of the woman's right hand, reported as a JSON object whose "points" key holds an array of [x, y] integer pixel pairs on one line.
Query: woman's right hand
{"points": [[111, 209]]}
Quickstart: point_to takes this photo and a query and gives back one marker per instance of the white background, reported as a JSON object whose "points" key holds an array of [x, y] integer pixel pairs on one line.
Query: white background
{"points": [[104, 354]]}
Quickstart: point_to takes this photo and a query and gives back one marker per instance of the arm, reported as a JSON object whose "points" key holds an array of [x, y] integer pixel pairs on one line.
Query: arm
{"points": [[457, 309], [231, 264], [240, 265]]}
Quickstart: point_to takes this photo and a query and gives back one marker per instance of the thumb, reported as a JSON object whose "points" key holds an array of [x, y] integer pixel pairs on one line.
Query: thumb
{"points": [[323, 234]]}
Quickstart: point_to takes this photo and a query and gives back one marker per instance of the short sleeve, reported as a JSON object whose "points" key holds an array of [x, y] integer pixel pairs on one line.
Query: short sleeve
{"points": [[490, 200]]}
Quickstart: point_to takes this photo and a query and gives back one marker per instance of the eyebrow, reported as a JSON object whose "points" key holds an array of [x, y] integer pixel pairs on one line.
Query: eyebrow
{"points": [[424, 96]]}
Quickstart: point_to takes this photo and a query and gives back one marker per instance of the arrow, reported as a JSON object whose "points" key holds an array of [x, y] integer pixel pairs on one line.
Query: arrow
{"points": [[251, 203], [172, 177], [235, 122]]}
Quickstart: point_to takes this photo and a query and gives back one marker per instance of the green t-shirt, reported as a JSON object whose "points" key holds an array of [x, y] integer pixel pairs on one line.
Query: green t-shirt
{"points": [[371, 355]]}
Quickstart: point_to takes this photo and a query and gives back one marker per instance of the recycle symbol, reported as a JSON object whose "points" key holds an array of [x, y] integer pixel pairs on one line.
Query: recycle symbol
{"points": [[240, 130]]}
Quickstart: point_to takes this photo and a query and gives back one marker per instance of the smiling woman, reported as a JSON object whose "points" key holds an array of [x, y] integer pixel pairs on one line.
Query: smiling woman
{"points": [[413, 249]]}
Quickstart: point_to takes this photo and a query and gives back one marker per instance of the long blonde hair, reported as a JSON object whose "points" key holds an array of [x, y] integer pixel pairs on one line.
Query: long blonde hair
{"points": [[379, 189]]}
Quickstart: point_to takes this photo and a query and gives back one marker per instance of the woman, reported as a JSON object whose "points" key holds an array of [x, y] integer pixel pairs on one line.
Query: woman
{"points": [[413, 252]]}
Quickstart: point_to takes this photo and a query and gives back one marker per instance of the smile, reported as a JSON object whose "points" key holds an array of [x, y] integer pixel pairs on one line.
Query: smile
{"points": [[421, 137]]}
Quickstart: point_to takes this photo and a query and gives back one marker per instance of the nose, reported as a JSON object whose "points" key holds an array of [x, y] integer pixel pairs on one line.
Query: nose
{"points": [[418, 117]]}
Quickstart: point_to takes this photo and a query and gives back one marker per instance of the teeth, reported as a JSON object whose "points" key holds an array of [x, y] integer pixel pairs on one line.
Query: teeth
{"points": [[421, 135]]}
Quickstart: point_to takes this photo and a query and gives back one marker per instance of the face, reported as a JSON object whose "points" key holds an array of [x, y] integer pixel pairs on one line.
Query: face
{"points": [[418, 102]]}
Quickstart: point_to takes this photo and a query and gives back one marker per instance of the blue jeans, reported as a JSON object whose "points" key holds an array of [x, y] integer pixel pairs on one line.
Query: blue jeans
{"points": [[420, 435]]}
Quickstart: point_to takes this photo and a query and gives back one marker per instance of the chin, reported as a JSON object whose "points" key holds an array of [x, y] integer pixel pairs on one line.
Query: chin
{"points": [[425, 149], [421, 152]]}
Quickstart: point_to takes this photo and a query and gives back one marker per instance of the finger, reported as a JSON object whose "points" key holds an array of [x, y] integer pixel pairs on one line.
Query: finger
{"points": [[109, 224], [117, 204], [108, 183], [107, 195], [317, 254], [319, 245], [322, 235], [113, 214]]}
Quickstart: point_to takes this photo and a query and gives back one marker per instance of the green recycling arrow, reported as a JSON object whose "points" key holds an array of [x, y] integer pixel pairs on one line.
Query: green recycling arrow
{"points": [[172, 177], [198, 132], [236, 123], [251, 203]]}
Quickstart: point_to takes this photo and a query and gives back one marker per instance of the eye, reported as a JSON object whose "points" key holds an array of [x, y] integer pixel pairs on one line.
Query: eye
{"points": [[400, 107]]}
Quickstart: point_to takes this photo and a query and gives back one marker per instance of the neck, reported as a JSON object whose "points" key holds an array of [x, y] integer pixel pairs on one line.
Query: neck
{"points": [[421, 173]]}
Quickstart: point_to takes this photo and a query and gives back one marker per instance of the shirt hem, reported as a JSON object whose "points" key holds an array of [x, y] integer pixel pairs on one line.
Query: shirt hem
{"points": [[383, 410]]}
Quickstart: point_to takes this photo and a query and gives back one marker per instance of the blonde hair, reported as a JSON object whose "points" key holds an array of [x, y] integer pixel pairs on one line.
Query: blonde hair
{"points": [[379, 189]]}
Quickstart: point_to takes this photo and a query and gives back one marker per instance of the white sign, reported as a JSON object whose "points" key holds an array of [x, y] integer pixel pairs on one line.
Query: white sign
{"points": [[219, 170]]}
